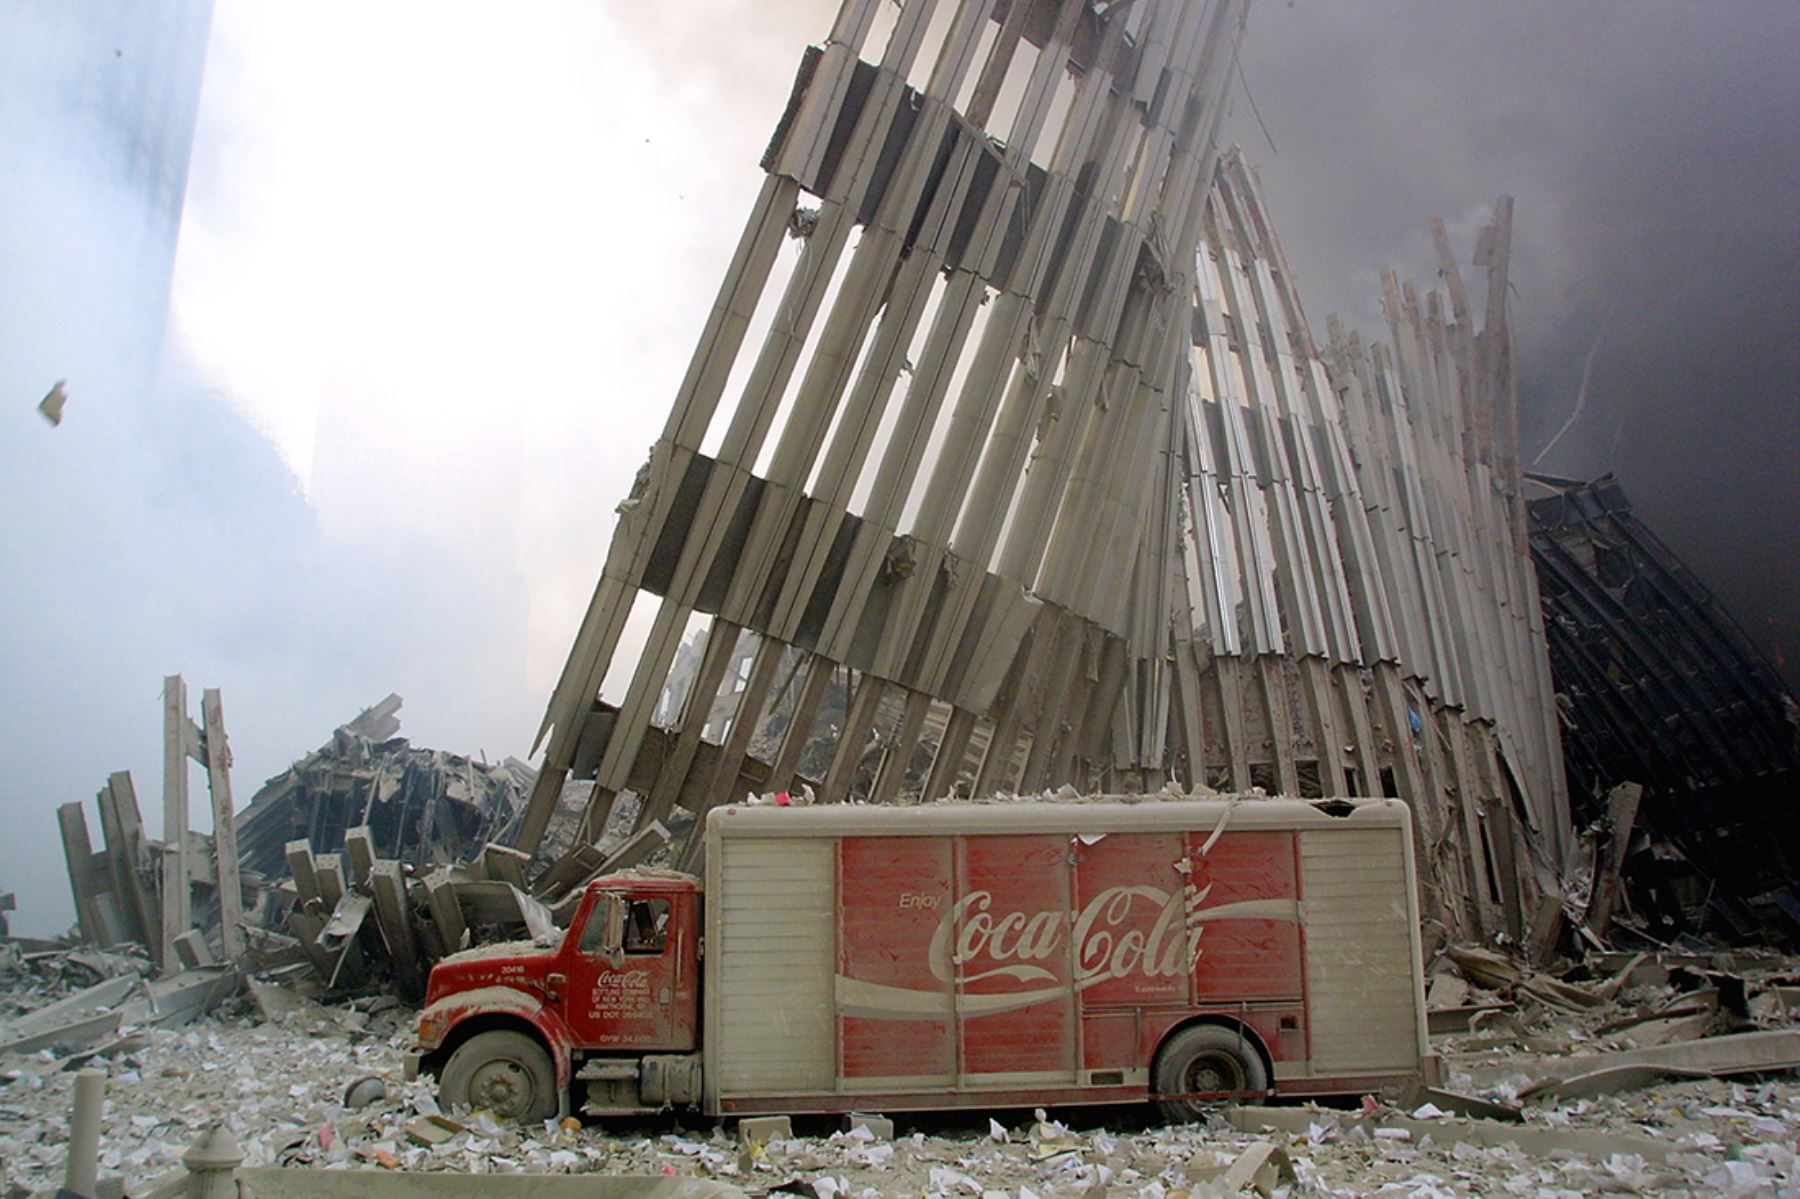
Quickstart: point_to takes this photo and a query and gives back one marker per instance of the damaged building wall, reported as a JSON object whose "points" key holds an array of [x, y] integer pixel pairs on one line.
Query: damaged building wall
{"points": [[1008, 210], [1036, 477], [1365, 600], [1657, 686]]}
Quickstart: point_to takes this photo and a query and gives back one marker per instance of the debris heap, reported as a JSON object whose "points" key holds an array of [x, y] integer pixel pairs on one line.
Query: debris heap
{"points": [[367, 831], [424, 807], [1548, 1099]]}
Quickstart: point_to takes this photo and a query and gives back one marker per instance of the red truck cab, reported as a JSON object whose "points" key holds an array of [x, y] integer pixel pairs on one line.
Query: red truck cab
{"points": [[509, 1027]]}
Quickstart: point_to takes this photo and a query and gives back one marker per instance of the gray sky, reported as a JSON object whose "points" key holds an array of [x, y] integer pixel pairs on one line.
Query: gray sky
{"points": [[441, 273]]}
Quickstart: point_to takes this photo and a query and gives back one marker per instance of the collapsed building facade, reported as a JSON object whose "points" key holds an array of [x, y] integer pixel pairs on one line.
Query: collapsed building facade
{"points": [[1029, 465], [1658, 688]]}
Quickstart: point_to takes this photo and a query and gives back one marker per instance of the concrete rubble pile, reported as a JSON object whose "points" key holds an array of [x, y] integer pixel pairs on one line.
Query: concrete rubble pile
{"points": [[362, 921], [386, 855], [359, 866], [36, 973], [75, 1005], [299, 1084], [421, 806]]}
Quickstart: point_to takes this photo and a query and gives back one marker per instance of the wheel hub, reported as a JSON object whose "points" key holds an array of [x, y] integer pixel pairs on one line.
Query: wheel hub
{"points": [[503, 1087], [1210, 1075]]}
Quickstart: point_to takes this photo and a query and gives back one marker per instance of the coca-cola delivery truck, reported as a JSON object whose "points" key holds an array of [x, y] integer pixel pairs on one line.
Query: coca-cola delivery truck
{"points": [[957, 954]]}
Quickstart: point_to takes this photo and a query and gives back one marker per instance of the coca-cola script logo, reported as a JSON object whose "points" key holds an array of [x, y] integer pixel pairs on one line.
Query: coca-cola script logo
{"points": [[1109, 935]]}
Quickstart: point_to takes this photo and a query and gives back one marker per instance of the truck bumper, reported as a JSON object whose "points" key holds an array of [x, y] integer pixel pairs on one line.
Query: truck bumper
{"points": [[410, 1062]]}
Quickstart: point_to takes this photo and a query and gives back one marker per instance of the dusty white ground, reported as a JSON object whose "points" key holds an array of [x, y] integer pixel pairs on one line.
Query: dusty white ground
{"points": [[279, 1088]]}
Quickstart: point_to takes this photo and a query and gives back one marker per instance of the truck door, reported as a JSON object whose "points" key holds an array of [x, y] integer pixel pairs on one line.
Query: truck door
{"points": [[633, 977]]}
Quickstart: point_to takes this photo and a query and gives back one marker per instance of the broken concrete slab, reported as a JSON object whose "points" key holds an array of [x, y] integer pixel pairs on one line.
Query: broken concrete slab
{"points": [[1718, 1057], [101, 996], [91, 1016], [504, 864], [1459, 1104], [1446, 990], [1776, 1003], [191, 950], [1662, 1030], [760, 1130], [75, 1034], [185, 996], [432, 1129], [129, 1043], [1442, 1021], [1485, 968], [500, 903], [338, 938], [568, 874], [1609, 1081], [1298, 1121], [276, 1002], [879, 1127]]}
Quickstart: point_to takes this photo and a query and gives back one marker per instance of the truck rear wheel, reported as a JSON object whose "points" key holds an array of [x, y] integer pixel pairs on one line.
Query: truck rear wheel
{"points": [[507, 1073], [1205, 1059]]}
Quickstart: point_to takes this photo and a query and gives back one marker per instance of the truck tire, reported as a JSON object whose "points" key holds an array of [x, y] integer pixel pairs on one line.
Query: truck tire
{"points": [[1203, 1059], [507, 1073]]}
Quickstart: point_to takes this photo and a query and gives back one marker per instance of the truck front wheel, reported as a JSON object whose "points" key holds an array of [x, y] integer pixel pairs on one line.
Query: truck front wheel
{"points": [[1206, 1059], [507, 1073]]}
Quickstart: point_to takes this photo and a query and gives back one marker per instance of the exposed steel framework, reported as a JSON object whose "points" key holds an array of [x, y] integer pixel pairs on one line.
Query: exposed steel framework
{"points": [[1034, 476], [1658, 687]]}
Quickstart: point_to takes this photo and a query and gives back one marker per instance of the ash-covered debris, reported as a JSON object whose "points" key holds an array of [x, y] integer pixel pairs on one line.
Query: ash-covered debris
{"points": [[365, 921], [365, 861], [51, 1011], [424, 807], [301, 1084], [1613, 1023], [31, 979]]}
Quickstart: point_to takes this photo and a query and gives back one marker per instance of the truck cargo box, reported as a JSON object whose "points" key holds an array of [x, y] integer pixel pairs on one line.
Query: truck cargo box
{"points": [[1029, 953]]}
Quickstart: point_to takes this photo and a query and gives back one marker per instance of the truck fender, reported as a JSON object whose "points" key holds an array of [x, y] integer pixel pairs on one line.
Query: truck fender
{"points": [[454, 1012]]}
